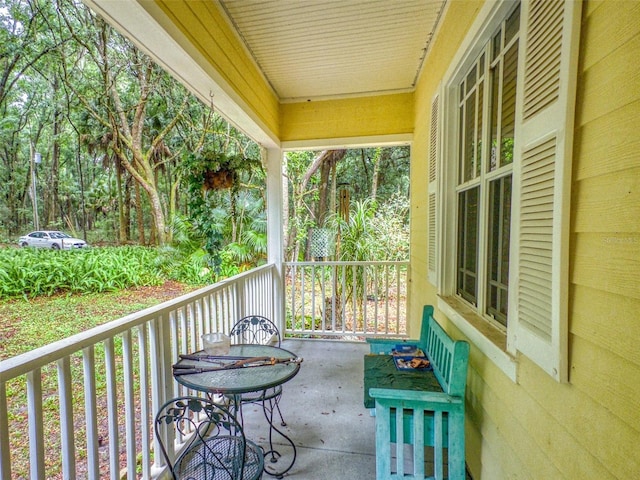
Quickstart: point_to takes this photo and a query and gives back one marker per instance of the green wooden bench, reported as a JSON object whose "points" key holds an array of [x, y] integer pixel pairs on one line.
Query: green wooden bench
{"points": [[422, 408]]}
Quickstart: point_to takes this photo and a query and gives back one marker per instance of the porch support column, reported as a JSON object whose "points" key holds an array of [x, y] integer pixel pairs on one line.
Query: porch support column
{"points": [[275, 233]]}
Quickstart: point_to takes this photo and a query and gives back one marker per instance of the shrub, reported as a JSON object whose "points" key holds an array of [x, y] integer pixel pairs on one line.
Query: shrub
{"points": [[31, 272]]}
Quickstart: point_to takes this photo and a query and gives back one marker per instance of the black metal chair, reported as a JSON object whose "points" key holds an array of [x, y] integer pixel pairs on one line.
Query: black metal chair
{"points": [[215, 446], [256, 329]]}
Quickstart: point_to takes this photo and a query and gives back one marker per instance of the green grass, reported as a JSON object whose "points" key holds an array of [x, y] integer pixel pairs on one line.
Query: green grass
{"points": [[31, 323]]}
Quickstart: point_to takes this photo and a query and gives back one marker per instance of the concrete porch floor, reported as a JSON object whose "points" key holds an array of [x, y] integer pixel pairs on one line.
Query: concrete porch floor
{"points": [[334, 434]]}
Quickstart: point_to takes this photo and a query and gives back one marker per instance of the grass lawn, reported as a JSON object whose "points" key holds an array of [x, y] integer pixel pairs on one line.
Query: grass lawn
{"points": [[28, 324]]}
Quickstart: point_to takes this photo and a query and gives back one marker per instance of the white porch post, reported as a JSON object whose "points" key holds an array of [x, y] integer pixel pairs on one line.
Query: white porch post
{"points": [[275, 233]]}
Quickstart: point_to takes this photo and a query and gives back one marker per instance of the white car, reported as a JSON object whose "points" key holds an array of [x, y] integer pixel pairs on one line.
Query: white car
{"points": [[51, 239]]}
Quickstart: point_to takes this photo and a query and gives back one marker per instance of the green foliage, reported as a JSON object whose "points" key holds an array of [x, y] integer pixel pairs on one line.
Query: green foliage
{"points": [[215, 215], [371, 233], [32, 272], [390, 225]]}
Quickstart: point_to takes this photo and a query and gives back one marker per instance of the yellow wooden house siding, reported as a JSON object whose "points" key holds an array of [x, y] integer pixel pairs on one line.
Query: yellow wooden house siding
{"points": [[345, 118], [589, 428]]}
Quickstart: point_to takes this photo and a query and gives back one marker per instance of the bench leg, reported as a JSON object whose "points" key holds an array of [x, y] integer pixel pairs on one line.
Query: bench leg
{"points": [[456, 446], [383, 442]]}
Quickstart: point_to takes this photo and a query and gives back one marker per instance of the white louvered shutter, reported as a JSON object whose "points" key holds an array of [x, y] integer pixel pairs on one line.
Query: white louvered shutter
{"points": [[433, 190], [544, 136]]}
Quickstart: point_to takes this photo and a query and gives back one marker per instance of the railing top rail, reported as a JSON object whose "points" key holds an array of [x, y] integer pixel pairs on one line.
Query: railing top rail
{"points": [[331, 262], [28, 361]]}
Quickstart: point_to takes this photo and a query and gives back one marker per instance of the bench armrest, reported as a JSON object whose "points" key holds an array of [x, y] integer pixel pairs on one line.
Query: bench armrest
{"points": [[433, 398]]}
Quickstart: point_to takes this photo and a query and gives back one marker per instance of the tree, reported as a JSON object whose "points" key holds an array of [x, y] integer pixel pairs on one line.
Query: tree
{"points": [[23, 51], [118, 85], [315, 179]]}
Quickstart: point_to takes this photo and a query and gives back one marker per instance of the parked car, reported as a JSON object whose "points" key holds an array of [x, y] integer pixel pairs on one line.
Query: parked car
{"points": [[51, 239]]}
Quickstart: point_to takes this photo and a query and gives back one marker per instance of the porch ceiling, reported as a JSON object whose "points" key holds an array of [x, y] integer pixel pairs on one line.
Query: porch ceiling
{"points": [[315, 49]]}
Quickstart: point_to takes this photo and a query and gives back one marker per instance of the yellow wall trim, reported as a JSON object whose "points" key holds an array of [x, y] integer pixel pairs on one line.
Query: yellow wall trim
{"points": [[353, 117]]}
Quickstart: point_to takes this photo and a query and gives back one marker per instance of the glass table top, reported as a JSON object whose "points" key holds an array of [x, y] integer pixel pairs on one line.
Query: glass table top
{"points": [[243, 379]]}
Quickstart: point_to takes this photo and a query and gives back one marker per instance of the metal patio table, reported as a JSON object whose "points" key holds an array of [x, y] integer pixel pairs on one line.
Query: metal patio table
{"points": [[233, 382]]}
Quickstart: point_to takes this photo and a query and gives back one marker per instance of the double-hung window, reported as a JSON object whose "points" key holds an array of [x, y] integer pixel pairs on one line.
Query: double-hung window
{"points": [[486, 113], [499, 181]]}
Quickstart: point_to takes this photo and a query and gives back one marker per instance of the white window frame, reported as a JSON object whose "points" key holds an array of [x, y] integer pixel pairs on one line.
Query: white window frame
{"points": [[490, 339]]}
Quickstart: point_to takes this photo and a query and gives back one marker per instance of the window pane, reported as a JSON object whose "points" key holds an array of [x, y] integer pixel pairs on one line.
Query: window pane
{"points": [[479, 130], [512, 26], [469, 136], [468, 215], [495, 112], [471, 79], [496, 45], [509, 105], [461, 172], [498, 248]]}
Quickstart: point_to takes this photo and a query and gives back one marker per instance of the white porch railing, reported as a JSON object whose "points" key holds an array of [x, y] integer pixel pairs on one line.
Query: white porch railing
{"points": [[87, 402], [89, 399], [346, 299]]}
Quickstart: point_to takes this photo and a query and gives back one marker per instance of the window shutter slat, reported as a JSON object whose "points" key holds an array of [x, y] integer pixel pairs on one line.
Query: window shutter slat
{"points": [[544, 134], [433, 190], [543, 54], [432, 232]]}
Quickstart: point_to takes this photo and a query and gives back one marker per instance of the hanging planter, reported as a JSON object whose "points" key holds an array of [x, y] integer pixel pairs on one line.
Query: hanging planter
{"points": [[221, 171], [219, 179]]}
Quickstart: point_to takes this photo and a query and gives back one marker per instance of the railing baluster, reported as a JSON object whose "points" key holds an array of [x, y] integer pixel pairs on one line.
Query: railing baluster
{"points": [[36, 433], [303, 296], [313, 298], [184, 331], [65, 394], [5, 446], [376, 298], [129, 402], [143, 357], [386, 299], [161, 382], [200, 316], [399, 296], [91, 413], [334, 306], [343, 299], [323, 298], [175, 346], [365, 294], [112, 409], [354, 296]]}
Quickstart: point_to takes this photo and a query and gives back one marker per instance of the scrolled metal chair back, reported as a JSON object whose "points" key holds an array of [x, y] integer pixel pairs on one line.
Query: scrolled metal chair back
{"points": [[255, 329], [214, 447]]}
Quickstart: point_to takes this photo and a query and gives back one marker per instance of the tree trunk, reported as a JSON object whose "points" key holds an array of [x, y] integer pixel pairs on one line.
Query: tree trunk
{"points": [[376, 173], [122, 229], [139, 214], [51, 209]]}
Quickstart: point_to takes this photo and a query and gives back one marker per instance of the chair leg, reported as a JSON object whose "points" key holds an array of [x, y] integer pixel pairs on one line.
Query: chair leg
{"points": [[277, 402]]}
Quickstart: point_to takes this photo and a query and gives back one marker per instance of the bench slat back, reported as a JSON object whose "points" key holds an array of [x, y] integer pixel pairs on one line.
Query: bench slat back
{"points": [[449, 358]]}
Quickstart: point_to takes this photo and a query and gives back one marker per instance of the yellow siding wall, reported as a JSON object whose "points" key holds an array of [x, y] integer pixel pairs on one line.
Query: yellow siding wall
{"points": [[590, 428], [353, 117], [203, 24]]}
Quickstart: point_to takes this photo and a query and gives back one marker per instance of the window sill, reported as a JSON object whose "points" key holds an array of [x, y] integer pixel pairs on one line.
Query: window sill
{"points": [[488, 339]]}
